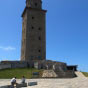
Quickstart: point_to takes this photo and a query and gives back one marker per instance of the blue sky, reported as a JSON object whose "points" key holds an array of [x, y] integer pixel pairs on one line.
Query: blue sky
{"points": [[66, 30]]}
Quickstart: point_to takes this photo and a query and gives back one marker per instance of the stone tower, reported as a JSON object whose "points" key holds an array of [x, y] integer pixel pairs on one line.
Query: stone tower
{"points": [[33, 31]]}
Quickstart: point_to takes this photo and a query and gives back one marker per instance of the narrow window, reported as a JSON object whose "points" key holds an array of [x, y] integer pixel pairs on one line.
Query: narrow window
{"points": [[39, 38], [39, 57], [39, 50], [32, 17], [39, 28], [31, 57], [32, 27], [36, 4]]}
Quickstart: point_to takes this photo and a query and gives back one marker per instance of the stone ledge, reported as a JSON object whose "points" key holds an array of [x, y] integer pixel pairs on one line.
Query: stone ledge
{"points": [[32, 83], [6, 86], [21, 85]]}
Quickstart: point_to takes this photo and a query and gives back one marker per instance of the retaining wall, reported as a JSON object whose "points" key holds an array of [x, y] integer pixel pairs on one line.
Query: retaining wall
{"points": [[4, 66]]}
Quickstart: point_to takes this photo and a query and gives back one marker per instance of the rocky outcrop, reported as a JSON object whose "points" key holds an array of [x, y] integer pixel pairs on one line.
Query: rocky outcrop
{"points": [[49, 74]]}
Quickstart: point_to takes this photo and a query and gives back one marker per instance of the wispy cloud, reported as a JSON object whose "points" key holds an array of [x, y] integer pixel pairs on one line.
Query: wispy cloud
{"points": [[9, 48], [4, 58]]}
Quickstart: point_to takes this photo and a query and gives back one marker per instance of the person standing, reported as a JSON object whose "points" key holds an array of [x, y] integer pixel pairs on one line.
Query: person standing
{"points": [[23, 80]]}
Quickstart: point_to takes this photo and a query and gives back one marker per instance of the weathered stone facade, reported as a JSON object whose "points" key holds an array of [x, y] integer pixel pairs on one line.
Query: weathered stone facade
{"points": [[33, 31], [49, 74], [33, 51], [4, 66], [58, 68], [13, 64]]}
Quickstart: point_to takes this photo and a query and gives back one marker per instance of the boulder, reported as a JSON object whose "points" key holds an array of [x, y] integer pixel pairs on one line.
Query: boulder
{"points": [[49, 74]]}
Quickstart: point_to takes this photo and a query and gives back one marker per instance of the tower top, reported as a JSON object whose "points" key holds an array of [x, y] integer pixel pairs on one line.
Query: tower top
{"points": [[34, 4]]}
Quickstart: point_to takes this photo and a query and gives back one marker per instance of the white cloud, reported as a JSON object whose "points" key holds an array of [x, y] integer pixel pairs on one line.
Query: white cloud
{"points": [[9, 48]]}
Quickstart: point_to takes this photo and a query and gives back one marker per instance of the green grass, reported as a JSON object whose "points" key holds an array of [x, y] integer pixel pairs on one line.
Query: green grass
{"points": [[18, 72], [85, 74]]}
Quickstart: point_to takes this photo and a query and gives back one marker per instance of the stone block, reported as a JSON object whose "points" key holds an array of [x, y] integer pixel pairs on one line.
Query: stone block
{"points": [[6, 86], [32, 83], [21, 85]]}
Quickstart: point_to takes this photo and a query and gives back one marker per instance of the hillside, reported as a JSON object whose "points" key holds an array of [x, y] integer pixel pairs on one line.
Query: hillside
{"points": [[85, 74], [18, 72]]}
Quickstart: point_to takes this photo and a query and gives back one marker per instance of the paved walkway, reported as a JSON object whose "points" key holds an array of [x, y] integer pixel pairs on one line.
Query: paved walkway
{"points": [[61, 83], [79, 82]]}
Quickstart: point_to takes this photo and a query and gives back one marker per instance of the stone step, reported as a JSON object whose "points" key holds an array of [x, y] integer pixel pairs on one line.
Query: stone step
{"points": [[17, 86], [66, 74], [21, 85], [79, 74]]}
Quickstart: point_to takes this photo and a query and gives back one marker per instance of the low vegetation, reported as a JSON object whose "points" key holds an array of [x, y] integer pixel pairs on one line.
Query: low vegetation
{"points": [[18, 72], [85, 73]]}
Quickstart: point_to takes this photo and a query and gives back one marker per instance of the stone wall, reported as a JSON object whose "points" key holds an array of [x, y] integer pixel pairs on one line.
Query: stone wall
{"points": [[40, 64], [58, 67], [5, 66], [13, 64]]}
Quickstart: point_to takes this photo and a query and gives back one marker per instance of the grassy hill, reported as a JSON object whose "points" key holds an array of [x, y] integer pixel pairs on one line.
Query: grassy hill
{"points": [[85, 73], [18, 72]]}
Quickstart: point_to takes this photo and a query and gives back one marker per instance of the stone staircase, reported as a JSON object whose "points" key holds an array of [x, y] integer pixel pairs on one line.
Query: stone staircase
{"points": [[79, 74], [66, 74], [58, 74]]}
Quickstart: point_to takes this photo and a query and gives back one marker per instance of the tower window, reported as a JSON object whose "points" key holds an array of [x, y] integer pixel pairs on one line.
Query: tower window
{"points": [[39, 50], [36, 4], [39, 28], [39, 57], [32, 27], [39, 38], [32, 17], [31, 57]]}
